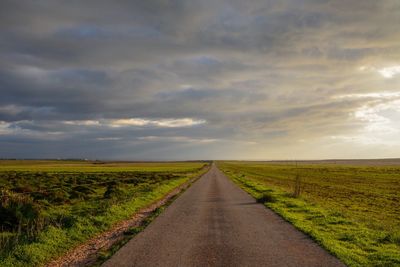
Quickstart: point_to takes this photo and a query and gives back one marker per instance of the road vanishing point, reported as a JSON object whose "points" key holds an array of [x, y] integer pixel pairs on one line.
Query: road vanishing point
{"points": [[215, 223]]}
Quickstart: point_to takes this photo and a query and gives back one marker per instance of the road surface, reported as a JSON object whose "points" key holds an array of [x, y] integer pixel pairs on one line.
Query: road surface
{"points": [[215, 223]]}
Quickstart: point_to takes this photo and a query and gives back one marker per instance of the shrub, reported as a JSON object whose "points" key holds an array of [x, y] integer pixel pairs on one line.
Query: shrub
{"points": [[266, 197], [113, 191], [18, 211], [81, 191], [58, 196]]}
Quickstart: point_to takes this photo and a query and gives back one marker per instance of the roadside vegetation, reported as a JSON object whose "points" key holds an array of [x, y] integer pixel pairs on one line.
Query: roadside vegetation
{"points": [[352, 211], [49, 207]]}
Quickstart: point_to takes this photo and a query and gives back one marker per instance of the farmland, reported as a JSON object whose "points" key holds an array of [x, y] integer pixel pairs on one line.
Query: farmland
{"points": [[49, 207], [351, 210]]}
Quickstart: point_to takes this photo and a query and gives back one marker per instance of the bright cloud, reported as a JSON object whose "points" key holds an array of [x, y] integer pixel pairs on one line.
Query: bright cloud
{"points": [[83, 122], [382, 123], [108, 138], [378, 95], [168, 123], [5, 128], [390, 72], [138, 122], [180, 139]]}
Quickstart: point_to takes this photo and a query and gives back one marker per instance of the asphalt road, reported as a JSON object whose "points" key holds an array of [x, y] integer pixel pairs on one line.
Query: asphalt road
{"points": [[215, 223]]}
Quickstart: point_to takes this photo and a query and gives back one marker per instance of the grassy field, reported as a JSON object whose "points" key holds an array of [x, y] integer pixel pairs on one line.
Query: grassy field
{"points": [[352, 211], [48, 207], [95, 166]]}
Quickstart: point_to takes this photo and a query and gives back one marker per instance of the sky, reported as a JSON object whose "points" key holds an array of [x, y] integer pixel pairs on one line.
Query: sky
{"points": [[209, 79]]}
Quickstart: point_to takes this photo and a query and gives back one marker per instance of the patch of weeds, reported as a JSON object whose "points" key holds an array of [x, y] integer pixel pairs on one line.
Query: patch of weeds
{"points": [[291, 205], [337, 221], [347, 237], [390, 238], [67, 221], [266, 197], [133, 231], [113, 191]]}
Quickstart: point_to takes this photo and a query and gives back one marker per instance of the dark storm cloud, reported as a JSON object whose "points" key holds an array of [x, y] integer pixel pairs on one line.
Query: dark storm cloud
{"points": [[188, 79]]}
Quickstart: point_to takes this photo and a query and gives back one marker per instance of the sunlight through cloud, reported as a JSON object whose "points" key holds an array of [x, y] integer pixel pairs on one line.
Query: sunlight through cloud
{"points": [[390, 72]]}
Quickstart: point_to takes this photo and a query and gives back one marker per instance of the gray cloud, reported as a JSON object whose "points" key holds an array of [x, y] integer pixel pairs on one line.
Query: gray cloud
{"points": [[269, 79]]}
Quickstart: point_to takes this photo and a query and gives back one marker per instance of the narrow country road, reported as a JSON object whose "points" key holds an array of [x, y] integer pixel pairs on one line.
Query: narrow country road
{"points": [[215, 223]]}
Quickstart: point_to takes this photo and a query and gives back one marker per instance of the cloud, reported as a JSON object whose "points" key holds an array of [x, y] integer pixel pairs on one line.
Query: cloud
{"points": [[5, 128], [170, 123], [178, 139], [144, 79], [83, 122], [138, 122], [390, 72]]}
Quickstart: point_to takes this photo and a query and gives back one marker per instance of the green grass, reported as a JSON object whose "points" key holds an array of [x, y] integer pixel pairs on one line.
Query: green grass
{"points": [[352, 211], [45, 213], [95, 166]]}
